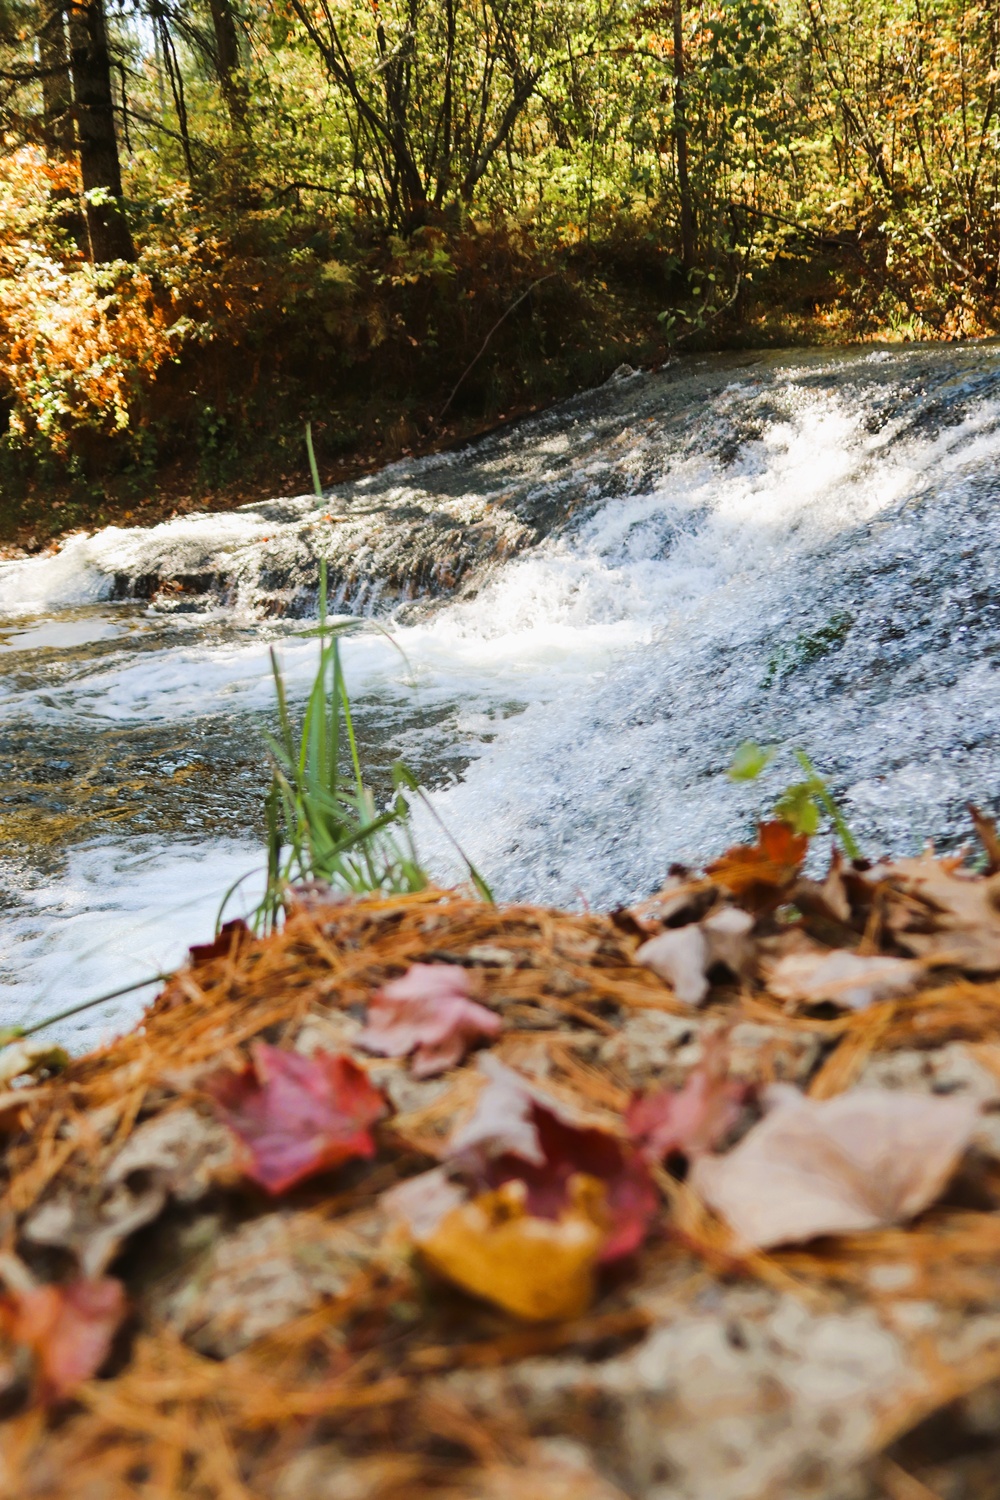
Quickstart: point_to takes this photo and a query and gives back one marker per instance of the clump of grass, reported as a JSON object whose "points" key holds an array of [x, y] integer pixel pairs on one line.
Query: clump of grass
{"points": [[323, 825]]}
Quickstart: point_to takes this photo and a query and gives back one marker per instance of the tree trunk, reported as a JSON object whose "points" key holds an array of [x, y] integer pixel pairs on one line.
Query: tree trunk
{"points": [[57, 92], [227, 60], [681, 141], [100, 169]]}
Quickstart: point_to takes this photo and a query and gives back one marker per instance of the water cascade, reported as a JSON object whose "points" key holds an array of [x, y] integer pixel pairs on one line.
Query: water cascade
{"points": [[588, 612]]}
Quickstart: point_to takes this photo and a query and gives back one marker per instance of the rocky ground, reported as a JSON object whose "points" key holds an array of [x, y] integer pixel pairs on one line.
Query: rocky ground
{"points": [[421, 1196]]}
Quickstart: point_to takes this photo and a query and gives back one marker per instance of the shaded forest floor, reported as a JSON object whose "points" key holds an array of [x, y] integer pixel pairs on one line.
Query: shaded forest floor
{"points": [[236, 418]]}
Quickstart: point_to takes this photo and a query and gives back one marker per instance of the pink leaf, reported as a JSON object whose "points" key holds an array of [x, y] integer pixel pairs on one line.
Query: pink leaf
{"points": [[297, 1116], [428, 1013], [502, 1120], [693, 1119], [68, 1328]]}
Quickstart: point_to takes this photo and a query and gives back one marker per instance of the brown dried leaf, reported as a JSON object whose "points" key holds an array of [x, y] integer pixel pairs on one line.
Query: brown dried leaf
{"points": [[684, 956], [863, 1160], [986, 828], [947, 914], [176, 1154], [759, 875], [681, 899]]}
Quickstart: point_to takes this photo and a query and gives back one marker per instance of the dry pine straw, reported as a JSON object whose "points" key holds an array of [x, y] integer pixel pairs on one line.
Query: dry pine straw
{"points": [[173, 1422]]}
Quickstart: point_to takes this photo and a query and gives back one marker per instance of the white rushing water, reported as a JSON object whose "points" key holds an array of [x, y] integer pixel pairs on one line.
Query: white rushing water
{"points": [[801, 550]]}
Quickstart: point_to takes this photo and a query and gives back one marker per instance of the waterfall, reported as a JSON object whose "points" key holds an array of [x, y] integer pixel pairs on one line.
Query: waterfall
{"points": [[588, 612]]}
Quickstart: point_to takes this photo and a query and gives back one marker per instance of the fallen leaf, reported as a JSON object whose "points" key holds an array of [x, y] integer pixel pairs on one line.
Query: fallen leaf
{"points": [[310, 896], [69, 1329], [422, 1202], [297, 1116], [759, 875], [680, 957], [945, 914], [685, 956], [986, 828], [851, 980], [538, 1268], [825, 899], [519, 1134], [173, 1155], [862, 1160], [501, 1122], [224, 945], [693, 1119], [681, 898], [427, 1013], [20, 1058]]}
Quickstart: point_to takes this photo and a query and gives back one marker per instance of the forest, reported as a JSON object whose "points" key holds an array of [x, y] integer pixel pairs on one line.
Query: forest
{"points": [[402, 221]]}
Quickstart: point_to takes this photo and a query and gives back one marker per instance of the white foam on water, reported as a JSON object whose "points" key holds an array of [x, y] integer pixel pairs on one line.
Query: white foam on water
{"points": [[640, 641], [565, 610], [589, 796], [82, 570], [117, 915]]}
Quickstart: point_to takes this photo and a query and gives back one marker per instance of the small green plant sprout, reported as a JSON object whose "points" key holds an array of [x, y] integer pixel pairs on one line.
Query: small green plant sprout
{"points": [[821, 796], [797, 806], [313, 466], [802, 803], [750, 760]]}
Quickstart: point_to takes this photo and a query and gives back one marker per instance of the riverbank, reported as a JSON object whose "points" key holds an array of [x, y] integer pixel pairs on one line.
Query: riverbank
{"points": [[150, 405], [273, 1307]]}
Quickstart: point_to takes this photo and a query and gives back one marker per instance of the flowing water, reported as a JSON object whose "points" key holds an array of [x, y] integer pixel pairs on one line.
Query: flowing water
{"points": [[588, 612]]}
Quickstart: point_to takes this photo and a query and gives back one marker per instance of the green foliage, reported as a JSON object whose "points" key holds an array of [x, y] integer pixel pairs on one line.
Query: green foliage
{"points": [[749, 761], [797, 806], [802, 803], [343, 219], [808, 647], [323, 825]]}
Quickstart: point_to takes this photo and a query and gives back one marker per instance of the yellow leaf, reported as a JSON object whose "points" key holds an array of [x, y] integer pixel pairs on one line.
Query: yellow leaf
{"points": [[537, 1269]]}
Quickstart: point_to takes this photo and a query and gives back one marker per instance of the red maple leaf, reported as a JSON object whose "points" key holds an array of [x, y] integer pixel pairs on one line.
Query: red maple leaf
{"points": [[68, 1328], [569, 1150], [297, 1116], [518, 1135], [428, 1012], [224, 945]]}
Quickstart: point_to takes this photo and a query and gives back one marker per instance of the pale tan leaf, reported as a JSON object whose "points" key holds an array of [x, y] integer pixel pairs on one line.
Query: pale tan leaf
{"points": [[843, 978], [859, 1161]]}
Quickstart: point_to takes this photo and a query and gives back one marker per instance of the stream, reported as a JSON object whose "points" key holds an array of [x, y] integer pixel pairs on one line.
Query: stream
{"points": [[567, 629]]}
